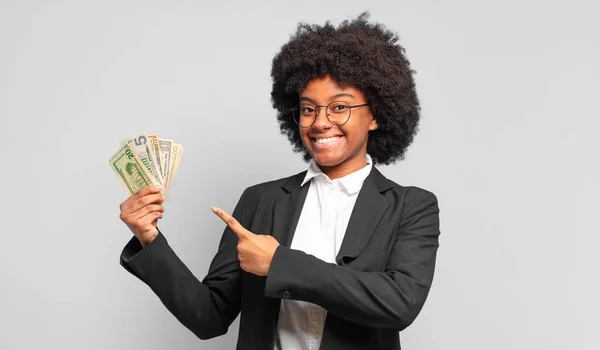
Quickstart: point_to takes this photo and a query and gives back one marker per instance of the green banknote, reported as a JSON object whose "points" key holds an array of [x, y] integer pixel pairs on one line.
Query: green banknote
{"points": [[130, 170], [143, 150]]}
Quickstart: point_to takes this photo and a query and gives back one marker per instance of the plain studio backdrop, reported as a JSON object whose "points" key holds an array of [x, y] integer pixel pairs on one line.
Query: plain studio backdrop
{"points": [[508, 142]]}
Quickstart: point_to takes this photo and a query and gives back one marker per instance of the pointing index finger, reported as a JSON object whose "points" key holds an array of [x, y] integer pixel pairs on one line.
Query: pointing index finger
{"points": [[233, 224]]}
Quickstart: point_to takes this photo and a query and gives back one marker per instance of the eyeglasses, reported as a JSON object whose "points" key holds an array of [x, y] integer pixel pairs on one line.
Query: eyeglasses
{"points": [[337, 112]]}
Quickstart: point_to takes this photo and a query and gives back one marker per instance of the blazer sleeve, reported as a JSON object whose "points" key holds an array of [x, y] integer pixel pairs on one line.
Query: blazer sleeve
{"points": [[206, 308], [389, 299]]}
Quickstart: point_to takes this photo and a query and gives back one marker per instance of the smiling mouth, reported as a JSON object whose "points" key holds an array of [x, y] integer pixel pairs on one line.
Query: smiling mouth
{"points": [[326, 140]]}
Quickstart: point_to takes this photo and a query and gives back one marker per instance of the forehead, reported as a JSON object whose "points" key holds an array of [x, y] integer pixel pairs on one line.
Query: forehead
{"points": [[325, 87]]}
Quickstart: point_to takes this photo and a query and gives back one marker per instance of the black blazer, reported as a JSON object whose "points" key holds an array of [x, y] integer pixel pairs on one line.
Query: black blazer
{"points": [[383, 274]]}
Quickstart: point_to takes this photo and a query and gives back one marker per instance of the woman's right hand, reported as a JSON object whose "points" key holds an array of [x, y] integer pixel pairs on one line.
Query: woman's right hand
{"points": [[141, 211]]}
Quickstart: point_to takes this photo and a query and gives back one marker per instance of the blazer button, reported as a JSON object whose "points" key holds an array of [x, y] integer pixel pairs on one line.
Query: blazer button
{"points": [[286, 295]]}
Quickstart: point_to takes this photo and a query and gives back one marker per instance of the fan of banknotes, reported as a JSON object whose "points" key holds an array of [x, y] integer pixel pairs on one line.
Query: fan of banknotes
{"points": [[146, 160]]}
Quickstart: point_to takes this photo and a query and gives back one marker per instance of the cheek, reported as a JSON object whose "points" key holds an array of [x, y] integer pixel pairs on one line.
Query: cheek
{"points": [[355, 133], [352, 131], [304, 136], [305, 139]]}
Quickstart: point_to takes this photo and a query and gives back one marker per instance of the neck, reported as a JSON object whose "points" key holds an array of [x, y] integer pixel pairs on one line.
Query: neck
{"points": [[347, 167]]}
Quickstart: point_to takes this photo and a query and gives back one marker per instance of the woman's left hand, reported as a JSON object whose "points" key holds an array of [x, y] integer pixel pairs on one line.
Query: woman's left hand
{"points": [[255, 252]]}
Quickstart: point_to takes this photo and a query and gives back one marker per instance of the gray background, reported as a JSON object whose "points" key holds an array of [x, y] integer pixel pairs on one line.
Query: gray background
{"points": [[508, 142]]}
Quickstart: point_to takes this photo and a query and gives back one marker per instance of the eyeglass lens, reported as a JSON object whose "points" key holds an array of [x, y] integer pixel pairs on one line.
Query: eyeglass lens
{"points": [[338, 113]]}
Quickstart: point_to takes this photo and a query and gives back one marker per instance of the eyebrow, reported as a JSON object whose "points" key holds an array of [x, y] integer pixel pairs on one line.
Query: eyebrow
{"points": [[341, 94]]}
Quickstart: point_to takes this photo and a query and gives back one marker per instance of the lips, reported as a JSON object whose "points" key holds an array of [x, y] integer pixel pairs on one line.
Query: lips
{"points": [[326, 142]]}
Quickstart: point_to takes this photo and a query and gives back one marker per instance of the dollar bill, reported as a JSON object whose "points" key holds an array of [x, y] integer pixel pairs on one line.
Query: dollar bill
{"points": [[174, 150], [141, 147], [147, 160], [166, 153], [130, 170], [178, 150], [155, 150]]}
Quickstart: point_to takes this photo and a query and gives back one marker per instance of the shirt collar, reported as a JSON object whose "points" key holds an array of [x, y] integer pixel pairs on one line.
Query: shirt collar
{"points": [[352, 182]]}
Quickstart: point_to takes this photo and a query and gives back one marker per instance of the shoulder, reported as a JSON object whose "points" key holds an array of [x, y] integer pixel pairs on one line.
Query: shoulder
{"points": [[272, 187], [407, 195]]}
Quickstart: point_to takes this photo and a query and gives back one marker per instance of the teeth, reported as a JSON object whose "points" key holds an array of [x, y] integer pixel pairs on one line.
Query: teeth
{"points": [[327, 140]]}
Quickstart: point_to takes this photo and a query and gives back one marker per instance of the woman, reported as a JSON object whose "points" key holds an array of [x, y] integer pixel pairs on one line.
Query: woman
{"points": [[335, 257]]}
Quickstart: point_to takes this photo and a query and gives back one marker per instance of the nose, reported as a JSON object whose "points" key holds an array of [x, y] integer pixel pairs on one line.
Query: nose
{"points": [[321, 120]]}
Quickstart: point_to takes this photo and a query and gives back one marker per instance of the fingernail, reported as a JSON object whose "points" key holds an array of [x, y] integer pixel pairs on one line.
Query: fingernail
{"points": [[157, 187], [213, 208]]}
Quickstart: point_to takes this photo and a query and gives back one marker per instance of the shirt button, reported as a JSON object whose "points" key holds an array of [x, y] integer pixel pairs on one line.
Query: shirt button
{"points": [[286, 295]]}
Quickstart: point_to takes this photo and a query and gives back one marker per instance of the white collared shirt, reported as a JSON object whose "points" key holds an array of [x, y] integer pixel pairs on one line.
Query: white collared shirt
{"points": [[320, 232]]}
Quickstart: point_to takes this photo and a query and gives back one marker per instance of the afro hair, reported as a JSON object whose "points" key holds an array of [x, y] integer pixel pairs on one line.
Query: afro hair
{"points": [[360, 54]]}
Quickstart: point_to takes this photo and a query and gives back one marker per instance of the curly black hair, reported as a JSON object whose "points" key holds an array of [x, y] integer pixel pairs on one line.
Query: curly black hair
{"points": [[357, 53]]}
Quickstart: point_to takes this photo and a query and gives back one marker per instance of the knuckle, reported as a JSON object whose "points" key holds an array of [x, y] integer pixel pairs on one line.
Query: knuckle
{"points": [[152, 234], [150, 199]]}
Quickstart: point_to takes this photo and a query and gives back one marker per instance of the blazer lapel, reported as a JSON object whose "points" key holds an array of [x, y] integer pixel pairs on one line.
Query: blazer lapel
{"points": [[287, 209], [368, 211]]}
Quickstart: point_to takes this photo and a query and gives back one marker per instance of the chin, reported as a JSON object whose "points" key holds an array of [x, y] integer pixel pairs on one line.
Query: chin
{"points": [[328, 160]]}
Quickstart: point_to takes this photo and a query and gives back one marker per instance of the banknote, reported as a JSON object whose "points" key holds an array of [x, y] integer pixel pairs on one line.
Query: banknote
{"points": [[177, 150], [174, 150], [166, 149], [155, 150], [130, 170], [141, 147], [147, 160]]}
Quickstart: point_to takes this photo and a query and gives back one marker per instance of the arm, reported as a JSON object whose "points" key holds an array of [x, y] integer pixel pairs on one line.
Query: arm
{"points": [[390, 299], [206, 308]]}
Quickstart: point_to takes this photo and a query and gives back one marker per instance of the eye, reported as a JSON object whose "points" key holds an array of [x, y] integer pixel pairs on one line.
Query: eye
{"points": [[339, 107], [307, 110]]}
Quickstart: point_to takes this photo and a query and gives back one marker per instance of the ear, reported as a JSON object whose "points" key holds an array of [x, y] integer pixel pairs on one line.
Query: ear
{"points": [[373, 124]]}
